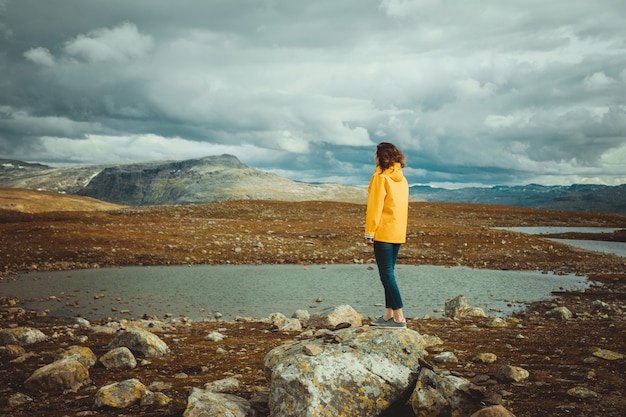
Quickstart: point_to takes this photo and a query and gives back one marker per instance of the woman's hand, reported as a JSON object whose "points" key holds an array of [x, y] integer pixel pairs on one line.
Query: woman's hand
{"points": [[369, 240]]}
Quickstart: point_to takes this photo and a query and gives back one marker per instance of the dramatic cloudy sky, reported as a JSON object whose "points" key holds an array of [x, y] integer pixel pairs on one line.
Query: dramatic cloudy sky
{"points": [[477, 92]]}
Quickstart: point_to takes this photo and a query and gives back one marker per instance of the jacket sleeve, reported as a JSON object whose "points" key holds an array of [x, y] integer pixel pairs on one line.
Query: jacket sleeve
{"points": [[376, 194]]}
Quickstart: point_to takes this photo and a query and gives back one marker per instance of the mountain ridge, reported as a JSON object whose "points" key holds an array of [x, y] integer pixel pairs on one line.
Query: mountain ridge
{"points": [[224, 177], [575, 197], [190, 181]]}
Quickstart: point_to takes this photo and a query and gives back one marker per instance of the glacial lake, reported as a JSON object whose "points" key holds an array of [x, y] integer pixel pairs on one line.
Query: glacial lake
{"points": [[199, 292], [616, 248]]}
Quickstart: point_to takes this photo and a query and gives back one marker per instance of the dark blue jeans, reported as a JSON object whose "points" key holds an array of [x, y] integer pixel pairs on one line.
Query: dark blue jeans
{"points": [[386, 255]]}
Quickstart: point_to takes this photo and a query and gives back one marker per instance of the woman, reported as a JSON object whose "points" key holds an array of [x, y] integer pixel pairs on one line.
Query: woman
{"points": [[385, 226]]}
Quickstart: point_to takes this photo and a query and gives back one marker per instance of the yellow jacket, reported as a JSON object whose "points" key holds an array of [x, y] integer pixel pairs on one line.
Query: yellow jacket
{"points": [[387, 213]]}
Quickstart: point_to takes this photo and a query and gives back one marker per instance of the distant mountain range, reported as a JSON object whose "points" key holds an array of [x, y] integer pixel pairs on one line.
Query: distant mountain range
{"points": [[224, 177], [577, 197]]}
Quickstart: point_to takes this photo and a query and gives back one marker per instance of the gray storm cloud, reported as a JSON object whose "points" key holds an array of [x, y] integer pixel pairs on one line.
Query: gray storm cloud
{"points": [[484, 92]]}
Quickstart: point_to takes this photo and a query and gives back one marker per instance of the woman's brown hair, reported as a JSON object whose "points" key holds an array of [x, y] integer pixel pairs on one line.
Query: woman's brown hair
{"points": [[388, 155]]}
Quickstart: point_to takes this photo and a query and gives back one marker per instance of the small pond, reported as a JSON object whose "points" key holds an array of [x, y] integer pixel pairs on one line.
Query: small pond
{"points": [[257, 291]]}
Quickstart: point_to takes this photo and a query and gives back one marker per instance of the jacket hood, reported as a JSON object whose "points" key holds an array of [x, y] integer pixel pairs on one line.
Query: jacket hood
{"points": [[394, 172]]}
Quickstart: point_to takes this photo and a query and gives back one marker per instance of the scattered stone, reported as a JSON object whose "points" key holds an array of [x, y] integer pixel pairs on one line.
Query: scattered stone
{"points": [[141, 341], [509, 373], [599, 305], [446, 357], [154, 398], [21, 336], [302, 315], [14, 350], [432, 340], [493, 411], [333, 317], [497, 322], [485, 358], [119, 358], [215, 337], [222, 385], [312, 350], [609, 355], [19, 399], [582, 393], [120, 394], [281, 323], [160, 386], [82, 354], [441, 395], [201, 403], [458, 307], [561, 313], [83, 322], [64, 374]]}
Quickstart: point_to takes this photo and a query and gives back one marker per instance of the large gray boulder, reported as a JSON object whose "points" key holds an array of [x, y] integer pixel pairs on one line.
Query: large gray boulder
{"points": [[21, 336], [61, 375], [358, 372], [140, 341]]}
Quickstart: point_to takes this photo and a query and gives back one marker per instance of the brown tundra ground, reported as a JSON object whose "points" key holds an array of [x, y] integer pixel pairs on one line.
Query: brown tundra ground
{"points": [[45, 231]]}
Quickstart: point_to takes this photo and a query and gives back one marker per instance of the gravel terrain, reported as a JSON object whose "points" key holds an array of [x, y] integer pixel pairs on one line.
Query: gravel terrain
{"points": [[45, 231]]}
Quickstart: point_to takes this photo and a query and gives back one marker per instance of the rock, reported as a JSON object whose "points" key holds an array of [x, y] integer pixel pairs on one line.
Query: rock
{"points": [[82, 354], [222, 385], [120, 394], [335, 317], [509, 373], [312, 350], [21, 336], [215, 337], [458, 307], [14, 350], [291, 325], [83, 322], [582, 393], [140, 341], [608, 355], [202, 403], [561, 313], [154, 398], [259, 402], [446, 357], [359, 373], [119, 358], [281, 323], [493, 411], [60, 375], [497, 322], [432, 340], [485, 358], [18, 399], [303, 316], [441, 395], [599, 305], [277, 319]]}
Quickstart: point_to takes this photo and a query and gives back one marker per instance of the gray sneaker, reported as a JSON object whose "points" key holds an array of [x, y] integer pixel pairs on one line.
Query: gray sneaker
{"points": [[392, 324], [380, 321]]}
